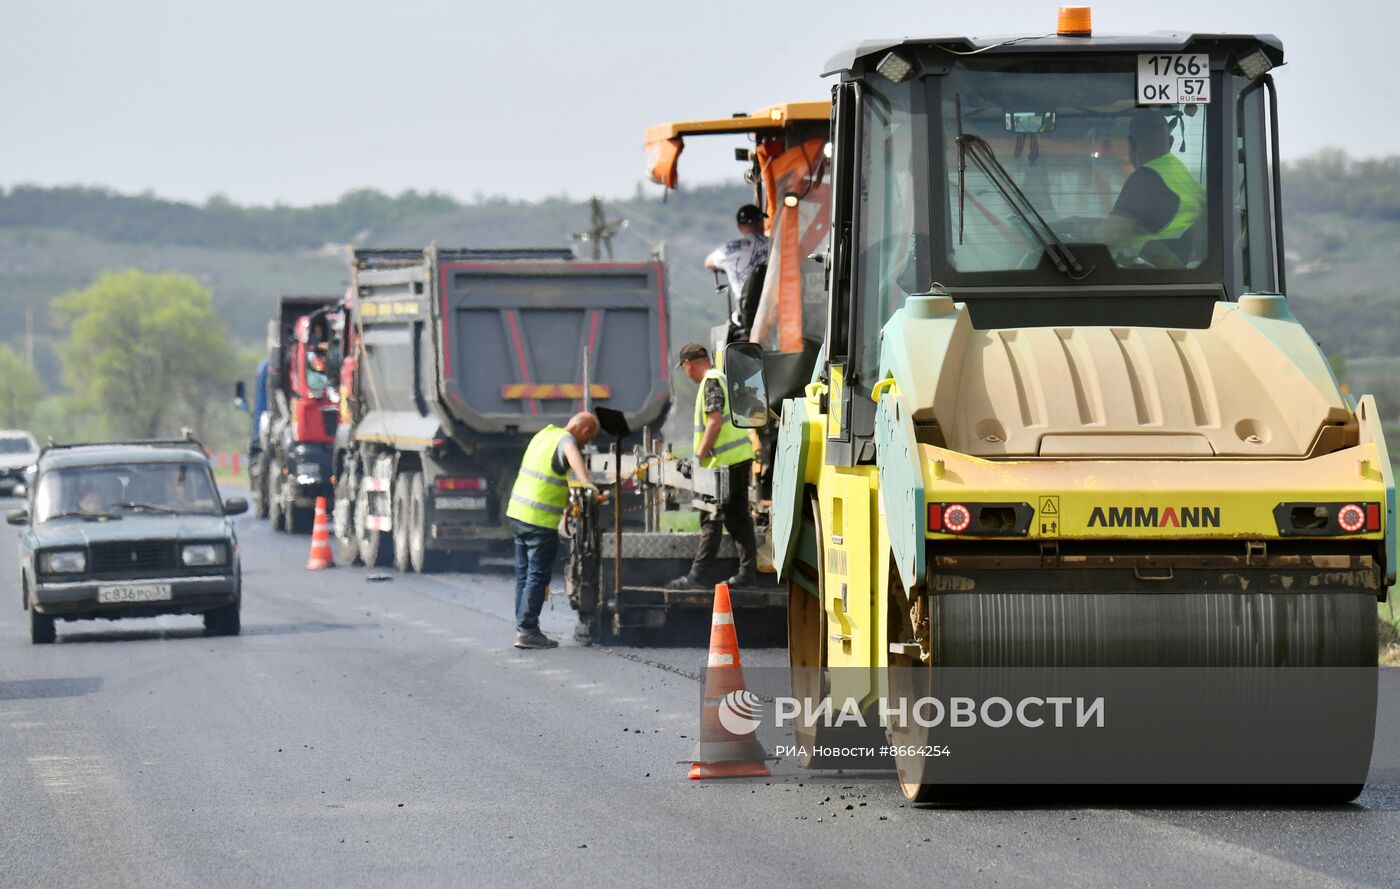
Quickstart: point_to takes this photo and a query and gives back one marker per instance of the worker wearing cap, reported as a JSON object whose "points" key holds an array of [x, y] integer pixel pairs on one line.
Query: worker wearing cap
{"points": [[1162, 198], [738, 258], [719, 444], [537, 502]]}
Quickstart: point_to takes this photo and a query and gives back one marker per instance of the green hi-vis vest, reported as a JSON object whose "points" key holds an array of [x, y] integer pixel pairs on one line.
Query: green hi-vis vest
{"points": [[733, 445], [540, 494], [1184, 185]]}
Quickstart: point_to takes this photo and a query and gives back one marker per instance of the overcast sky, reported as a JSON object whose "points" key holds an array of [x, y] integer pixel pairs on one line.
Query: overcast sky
{"points": [[298, 101]]}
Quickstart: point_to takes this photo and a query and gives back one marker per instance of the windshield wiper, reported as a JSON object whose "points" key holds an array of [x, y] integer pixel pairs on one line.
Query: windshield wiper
{"points": [[153, 507], [977, 148], [82, 514]]}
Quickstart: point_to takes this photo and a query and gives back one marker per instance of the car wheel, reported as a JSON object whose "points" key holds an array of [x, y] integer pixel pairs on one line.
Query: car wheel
{"points": [[400, 519], [225, 621], [41, 628]]}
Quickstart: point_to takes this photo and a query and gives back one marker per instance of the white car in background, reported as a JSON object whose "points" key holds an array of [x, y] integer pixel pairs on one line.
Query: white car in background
{"points": [[18, 452]]}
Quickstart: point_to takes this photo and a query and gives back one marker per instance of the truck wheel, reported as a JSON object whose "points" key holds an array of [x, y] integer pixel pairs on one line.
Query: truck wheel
{"points": [[275, 512], [374, 546], [400, 510], [224, 621], [41, 628], [257, 482], [344, 541], [424, 559]]}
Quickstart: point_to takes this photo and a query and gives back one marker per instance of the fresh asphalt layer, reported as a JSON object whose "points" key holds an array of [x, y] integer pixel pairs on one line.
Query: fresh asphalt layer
{"points": [[384, 732]]}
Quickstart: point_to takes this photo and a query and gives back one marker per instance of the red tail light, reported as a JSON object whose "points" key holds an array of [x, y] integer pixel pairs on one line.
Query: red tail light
{"points": [[469, 483], [1351, 518], [956, 518]]}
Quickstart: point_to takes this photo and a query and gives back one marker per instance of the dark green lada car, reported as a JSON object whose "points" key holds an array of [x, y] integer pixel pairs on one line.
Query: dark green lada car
{"points": [[128, 530]]}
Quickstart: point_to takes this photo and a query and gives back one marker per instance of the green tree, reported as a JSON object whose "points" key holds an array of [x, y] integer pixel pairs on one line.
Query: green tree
{"points": [[146, 352], [19, 389]]}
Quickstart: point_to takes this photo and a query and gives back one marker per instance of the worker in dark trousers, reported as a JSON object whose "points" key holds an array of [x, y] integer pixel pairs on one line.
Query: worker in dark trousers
{"points": [[719, 444], [537, 502]]}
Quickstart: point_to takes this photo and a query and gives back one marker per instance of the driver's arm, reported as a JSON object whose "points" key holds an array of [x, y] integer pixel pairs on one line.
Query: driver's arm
{"points": [[1118, 231]]}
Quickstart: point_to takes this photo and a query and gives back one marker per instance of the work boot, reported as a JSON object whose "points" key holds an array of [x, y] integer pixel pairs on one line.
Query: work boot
{"points": [[743, 578], [688, 582], [534, 639]]}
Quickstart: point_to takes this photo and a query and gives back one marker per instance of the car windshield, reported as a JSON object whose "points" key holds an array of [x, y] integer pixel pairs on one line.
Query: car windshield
{"points": [[118, 490], [1036, 150], [16, 446]]}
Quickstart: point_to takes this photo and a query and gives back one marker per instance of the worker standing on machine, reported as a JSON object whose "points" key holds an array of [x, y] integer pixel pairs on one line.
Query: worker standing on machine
{"points": [[740, 258], [537, 502], [718, 443]]}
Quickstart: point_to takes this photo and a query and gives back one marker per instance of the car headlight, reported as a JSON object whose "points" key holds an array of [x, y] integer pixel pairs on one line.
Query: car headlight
{"points": [[202, 554], [70, 561]]}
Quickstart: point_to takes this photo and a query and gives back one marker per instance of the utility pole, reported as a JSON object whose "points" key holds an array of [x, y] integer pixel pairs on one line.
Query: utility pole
{"points": [[600, 233]]}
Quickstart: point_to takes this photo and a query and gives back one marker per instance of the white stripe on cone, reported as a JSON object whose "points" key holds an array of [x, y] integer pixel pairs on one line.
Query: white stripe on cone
{"points": [[721, 660], [722, 617]]}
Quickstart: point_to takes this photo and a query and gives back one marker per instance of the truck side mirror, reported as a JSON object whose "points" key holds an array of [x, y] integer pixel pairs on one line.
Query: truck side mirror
{"points": [[17, 517], [240, 396], [748, 391]]}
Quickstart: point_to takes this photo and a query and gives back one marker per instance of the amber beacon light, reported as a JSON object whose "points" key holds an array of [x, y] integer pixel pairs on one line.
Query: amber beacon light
{"points": [[1075, 21]]}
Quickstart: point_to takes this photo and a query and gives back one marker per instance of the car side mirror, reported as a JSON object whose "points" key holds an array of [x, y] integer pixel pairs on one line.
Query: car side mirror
{"points": [[240, 396], [748, 391], [18, 517], [235, 506]]}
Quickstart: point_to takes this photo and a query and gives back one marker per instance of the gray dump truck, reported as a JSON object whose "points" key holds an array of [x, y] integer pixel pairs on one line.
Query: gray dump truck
{"points": [[450, 360]]}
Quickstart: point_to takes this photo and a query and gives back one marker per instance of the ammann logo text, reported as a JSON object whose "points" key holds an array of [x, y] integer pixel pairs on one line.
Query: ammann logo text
{"points": [[1155, 517]]}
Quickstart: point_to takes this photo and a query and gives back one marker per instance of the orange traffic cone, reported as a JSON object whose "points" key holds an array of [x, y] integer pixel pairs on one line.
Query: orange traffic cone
{"points": [[320, 540], [728, 747]]}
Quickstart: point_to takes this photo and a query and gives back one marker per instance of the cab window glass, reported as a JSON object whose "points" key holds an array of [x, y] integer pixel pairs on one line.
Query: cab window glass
{"points": [[886, 265], [1095, 165]]}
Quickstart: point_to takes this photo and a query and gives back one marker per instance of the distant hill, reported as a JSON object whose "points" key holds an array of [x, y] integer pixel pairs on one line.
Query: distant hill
{"points": [[55, 240], [1343, 219]]}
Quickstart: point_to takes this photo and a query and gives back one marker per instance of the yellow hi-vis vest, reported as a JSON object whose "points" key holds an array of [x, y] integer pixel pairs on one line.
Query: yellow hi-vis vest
{"points": [[733, 445], [540, 494], [1184, 185]]}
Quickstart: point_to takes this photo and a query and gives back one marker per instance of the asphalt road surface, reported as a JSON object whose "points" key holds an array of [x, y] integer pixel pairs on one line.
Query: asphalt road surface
{"points": [[386, 733]]}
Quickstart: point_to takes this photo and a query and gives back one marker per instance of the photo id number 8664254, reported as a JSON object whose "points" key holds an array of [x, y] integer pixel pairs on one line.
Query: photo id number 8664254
{"points": [[924, 750]]}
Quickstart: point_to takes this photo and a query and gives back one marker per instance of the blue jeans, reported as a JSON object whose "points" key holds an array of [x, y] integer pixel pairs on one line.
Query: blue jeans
{"points": [[535, 549]]}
